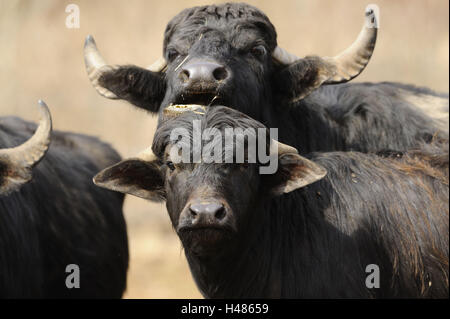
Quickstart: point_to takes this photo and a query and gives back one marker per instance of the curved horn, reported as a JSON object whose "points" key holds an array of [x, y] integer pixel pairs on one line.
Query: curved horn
{"points": [[278, 148], [158, 66], [32, 151], [284, 57], [96, 66], [354, 59]]}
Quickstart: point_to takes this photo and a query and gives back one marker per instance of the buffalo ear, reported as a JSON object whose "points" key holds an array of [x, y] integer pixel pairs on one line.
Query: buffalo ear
{"points": [[299, 79], [141, 87], [135, 177], [295, 171]]}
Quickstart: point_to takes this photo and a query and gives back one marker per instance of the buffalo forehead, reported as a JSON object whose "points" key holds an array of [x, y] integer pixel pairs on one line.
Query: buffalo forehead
{"points": [[256, 26], [240, 35]]}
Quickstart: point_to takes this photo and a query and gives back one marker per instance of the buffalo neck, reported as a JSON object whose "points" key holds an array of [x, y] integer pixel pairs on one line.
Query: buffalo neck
{"points": [[307, 127], [258, 262], [248, 267]]}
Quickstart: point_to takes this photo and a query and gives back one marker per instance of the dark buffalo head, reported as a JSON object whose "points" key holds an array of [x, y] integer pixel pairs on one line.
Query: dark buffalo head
{"points": [[211, 203], [16, 163], [226, 55]]}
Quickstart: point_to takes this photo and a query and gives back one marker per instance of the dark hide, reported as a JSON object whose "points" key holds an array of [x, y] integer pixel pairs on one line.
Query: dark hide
{"points": [[362, 117], [389, 209], [365, 117], [62, 218]]}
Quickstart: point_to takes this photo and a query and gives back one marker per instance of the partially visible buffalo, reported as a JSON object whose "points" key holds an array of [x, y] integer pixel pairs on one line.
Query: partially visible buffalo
{"points": [[228, 55], [310, 230], [52, 215]]}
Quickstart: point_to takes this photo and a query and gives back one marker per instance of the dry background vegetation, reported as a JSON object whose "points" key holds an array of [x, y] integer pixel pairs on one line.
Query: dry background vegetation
{"points": [[41, 58]]}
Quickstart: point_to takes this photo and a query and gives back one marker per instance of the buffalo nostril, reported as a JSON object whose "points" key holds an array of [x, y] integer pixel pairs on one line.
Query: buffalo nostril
{"points": [[184, 75], [220, 213], [220, 74], [208, 211]]}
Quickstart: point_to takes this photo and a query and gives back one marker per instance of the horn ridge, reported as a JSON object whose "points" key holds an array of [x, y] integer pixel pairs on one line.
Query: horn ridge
{"points": [[352, 61], [278, 148], [33, 150], [96, 66]]}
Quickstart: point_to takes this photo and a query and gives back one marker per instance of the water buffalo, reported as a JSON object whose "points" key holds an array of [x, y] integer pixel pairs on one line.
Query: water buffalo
{"points": [[310, 230], [52, 216], [228, 55]]}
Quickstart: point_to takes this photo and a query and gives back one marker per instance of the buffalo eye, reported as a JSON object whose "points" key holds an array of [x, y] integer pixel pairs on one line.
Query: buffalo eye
{"points": [[258, 51], [170, 165], [172, 54]]}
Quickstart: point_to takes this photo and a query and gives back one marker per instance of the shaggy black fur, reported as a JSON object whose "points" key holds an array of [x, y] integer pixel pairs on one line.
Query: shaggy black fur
{"points": [[62, 218], [389, 209], [363, 117]]}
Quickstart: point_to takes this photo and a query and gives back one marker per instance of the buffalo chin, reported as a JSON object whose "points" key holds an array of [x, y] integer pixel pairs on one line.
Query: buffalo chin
{"points": [[204, 241]]}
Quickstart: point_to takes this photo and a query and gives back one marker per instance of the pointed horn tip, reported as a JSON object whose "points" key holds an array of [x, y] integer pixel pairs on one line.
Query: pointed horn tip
{"points": [[45, 115], [284, 148], [372, 16], [43, 108], [291, 149], [89, 41]]}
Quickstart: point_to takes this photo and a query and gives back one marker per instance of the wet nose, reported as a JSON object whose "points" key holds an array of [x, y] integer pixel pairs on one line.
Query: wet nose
{"points": [[211, 211], [203, 71]]}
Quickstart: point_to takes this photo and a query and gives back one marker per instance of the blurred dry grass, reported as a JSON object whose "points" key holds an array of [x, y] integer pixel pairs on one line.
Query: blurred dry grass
{"points": [[41, 58]]}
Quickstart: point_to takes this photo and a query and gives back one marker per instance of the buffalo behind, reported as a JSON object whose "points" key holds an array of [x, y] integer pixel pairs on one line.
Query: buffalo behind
{"points": [[228, 54], [52, 215]]}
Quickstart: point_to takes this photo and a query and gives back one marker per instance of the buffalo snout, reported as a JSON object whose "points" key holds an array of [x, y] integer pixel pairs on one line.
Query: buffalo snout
{"points": [[201, 75], [211, 213]]}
